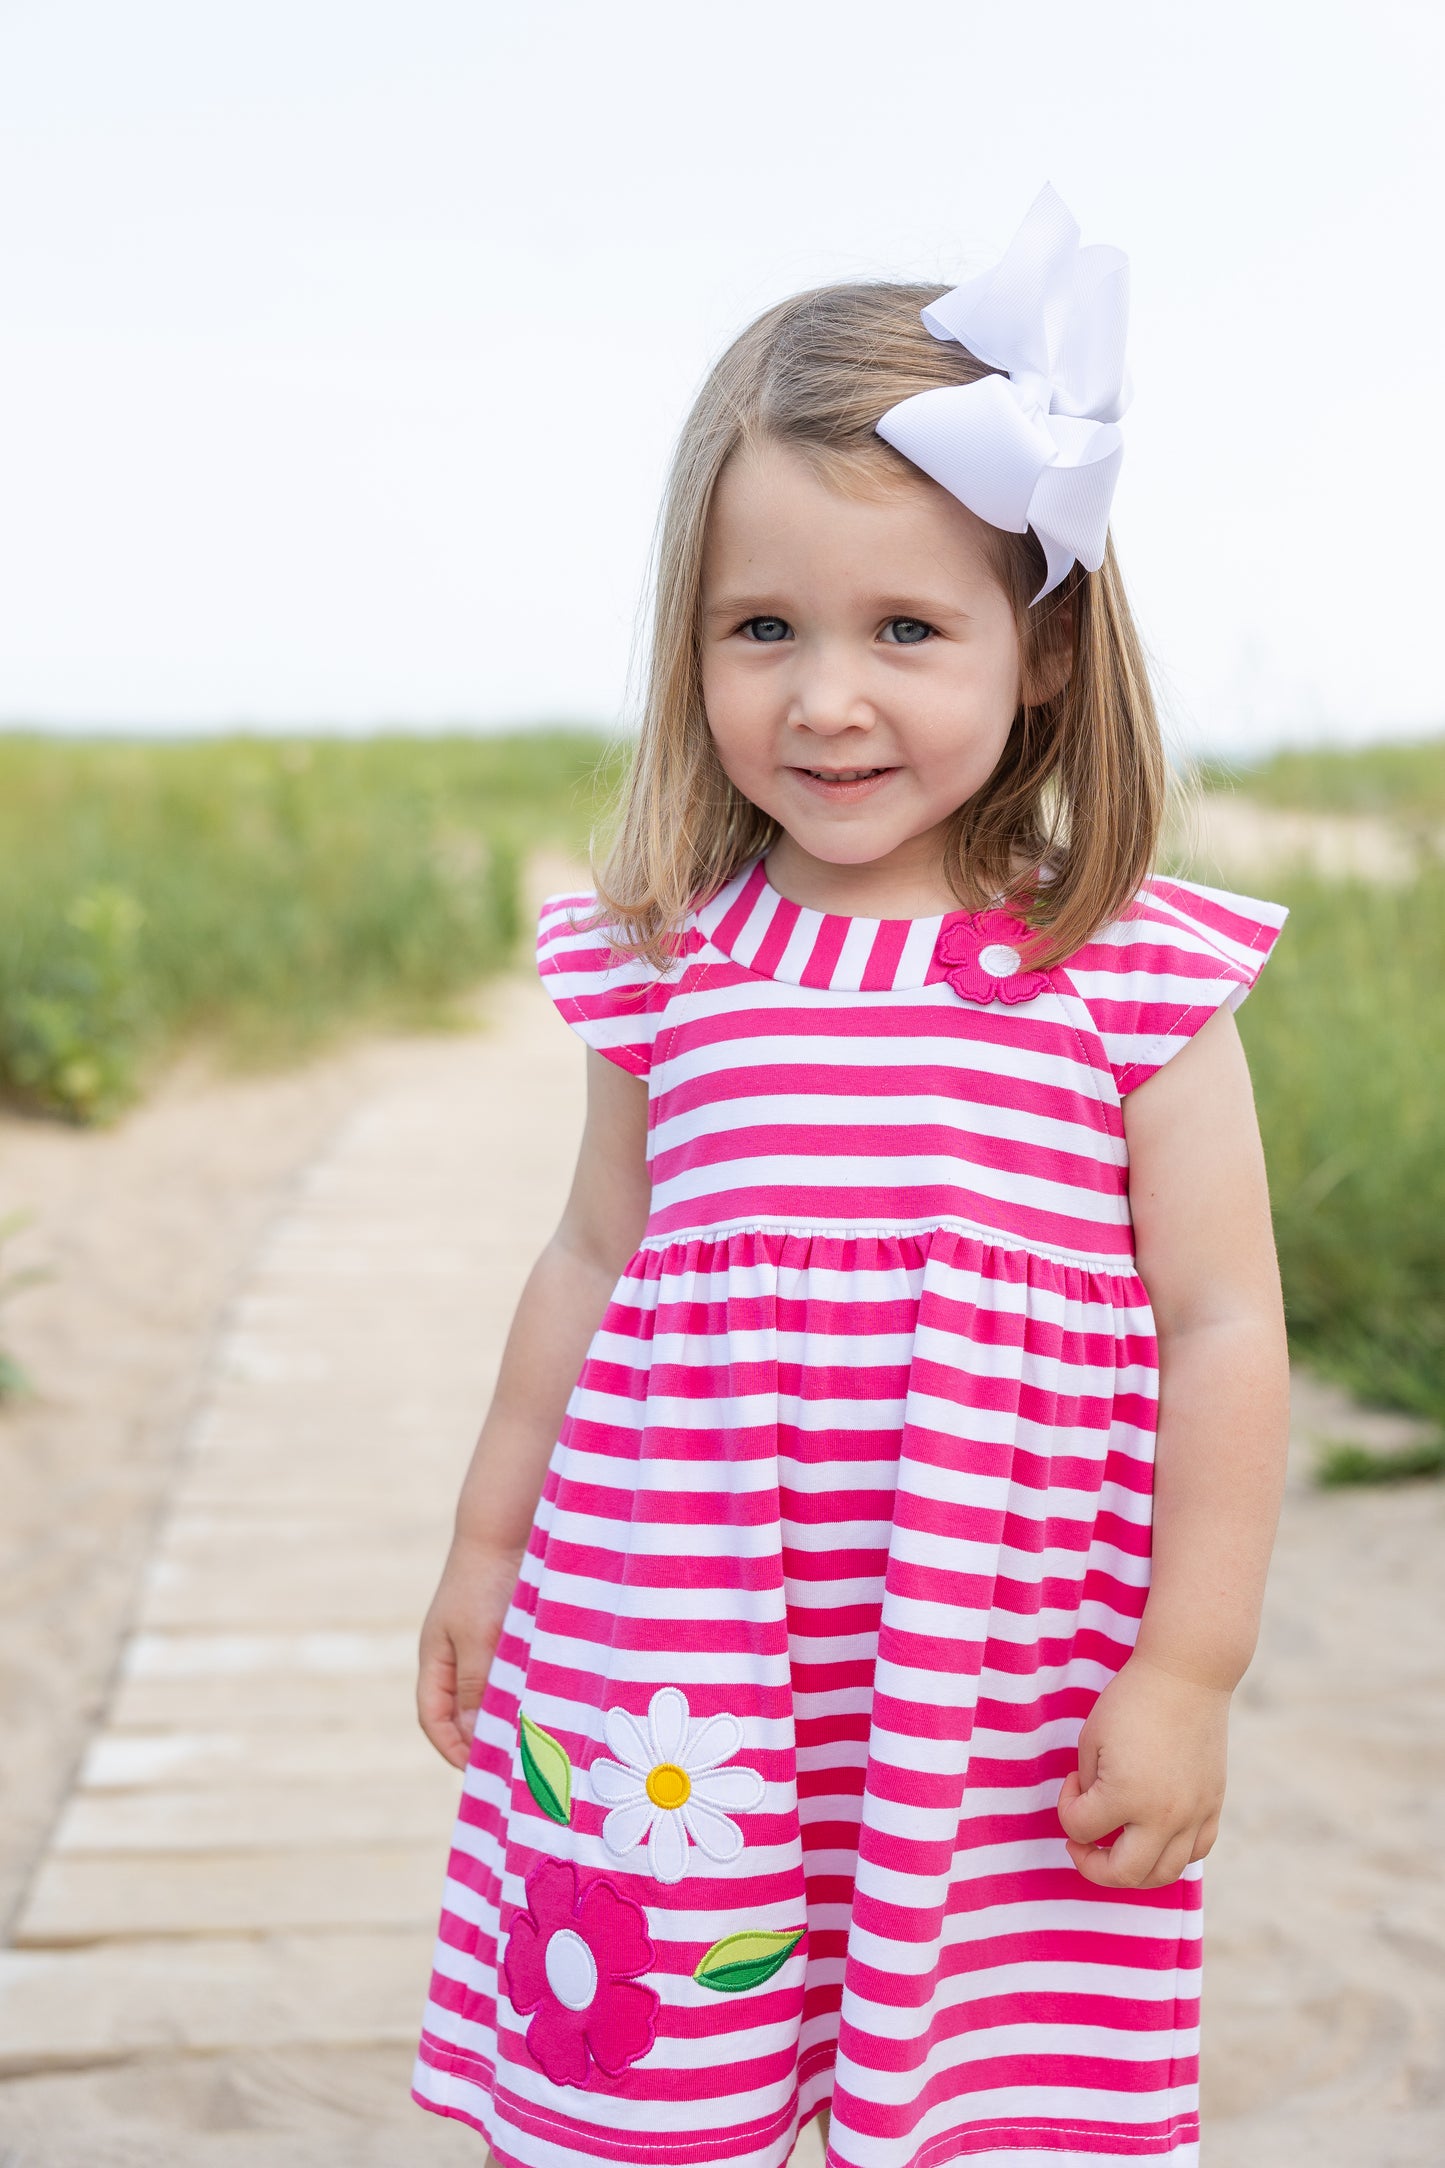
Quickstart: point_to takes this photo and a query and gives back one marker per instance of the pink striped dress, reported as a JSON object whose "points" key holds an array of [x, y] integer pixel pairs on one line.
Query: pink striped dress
{"points": [[847, 1526]]}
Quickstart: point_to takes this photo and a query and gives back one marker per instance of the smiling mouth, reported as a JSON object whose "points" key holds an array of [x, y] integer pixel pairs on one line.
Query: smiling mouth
{"points": [[843, 775]]}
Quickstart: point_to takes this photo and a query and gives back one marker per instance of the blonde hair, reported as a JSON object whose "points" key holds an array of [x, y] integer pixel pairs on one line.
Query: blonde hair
{"points": [[1080, 784]]}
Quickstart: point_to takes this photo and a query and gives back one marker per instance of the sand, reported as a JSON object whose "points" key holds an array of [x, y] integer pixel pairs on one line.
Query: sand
{"points": [[177, 1242]]}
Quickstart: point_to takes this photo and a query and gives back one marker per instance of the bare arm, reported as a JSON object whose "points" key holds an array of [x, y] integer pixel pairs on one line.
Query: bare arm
{"points": [[1151, 1757], [561, 1307], [1206, 1254]]}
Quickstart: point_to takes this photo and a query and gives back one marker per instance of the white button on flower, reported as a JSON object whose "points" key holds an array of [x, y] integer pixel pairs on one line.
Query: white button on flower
{"points": [[999, 960], [571, 1970], [668, 1784]]}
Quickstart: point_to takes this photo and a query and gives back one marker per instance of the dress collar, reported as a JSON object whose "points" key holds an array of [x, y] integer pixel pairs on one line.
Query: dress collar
{"points": [[759, 929]]}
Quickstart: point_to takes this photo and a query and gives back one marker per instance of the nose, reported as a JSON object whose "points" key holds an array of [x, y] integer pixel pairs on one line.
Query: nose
{"points": [[826, 696]]}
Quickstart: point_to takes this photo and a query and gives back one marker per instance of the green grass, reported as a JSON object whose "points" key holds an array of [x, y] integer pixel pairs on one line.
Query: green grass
{"points": [[13, 1381], [1342, 1462], [1405, 783], [266, 893], [1346, 1039]]}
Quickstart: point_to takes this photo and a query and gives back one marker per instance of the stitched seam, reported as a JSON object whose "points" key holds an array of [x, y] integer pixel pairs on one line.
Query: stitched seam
{"points": [[668, 1030], [1260, 941], [624, 1057], [1182, 2127], [1079, 1040], [867, 1230], [1151, 1068], [1262, 937]]}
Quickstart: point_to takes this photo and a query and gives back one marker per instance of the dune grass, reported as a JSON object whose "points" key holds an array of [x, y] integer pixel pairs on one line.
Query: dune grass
{"points": [[1404, 782], [264, 892], [13, 1381], [1346, 1041], [1346, 1036]]}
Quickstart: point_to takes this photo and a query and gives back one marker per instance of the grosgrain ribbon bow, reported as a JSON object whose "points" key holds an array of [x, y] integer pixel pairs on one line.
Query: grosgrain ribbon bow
{"points": [[1038, 446]]}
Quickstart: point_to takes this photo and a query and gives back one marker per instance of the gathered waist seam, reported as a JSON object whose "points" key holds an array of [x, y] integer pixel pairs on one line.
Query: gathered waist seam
{"points": [[866, 1230]]}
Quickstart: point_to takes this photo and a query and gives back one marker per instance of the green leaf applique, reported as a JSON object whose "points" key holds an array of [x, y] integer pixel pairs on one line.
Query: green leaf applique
{"points": [[547, 1769], [746, 1960]]}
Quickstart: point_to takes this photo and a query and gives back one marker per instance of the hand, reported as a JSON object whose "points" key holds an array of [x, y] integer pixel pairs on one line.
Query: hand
{"points": [[458, 1640], [1151, 1768]]}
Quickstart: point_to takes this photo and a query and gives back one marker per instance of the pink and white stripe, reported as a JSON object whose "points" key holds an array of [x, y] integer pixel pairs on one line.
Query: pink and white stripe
{"points": [[860, 1456]]}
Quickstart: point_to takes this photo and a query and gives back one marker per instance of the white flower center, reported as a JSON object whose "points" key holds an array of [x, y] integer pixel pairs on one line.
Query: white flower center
{"points": [[999, 960], [571, 1969]]}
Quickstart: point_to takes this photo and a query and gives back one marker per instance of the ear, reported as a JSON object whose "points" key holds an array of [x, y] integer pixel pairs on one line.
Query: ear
{"points": [[1050, 653]]}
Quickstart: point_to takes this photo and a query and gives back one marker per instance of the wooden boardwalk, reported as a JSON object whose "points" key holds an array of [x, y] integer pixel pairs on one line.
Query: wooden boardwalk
{"points": [[251, 1858]]}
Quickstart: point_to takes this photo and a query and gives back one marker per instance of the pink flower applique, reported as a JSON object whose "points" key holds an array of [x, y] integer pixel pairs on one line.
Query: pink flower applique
{"points": [[984, 953], [572, 1957]]}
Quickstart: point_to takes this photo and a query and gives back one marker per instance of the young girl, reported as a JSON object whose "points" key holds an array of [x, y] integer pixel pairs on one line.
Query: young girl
{"points": [[856, 1726]]}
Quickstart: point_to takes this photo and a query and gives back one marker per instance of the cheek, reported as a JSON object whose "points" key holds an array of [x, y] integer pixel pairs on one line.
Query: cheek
{"points": [[970, 712], [1000, 677], [730, 706]]}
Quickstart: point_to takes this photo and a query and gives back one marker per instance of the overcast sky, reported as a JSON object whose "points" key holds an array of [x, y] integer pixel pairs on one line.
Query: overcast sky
{"points": [[345, 343]]}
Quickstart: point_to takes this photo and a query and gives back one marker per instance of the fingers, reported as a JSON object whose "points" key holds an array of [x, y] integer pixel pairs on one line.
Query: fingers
{"points": [[436, 1713], [1172, 1861], [1087, 1810], [1141, 1857], [448, 1693], [1204, 1842]]}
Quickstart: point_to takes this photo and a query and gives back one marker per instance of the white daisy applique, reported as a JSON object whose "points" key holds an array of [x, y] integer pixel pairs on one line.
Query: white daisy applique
{"points": [[669, 1784]]}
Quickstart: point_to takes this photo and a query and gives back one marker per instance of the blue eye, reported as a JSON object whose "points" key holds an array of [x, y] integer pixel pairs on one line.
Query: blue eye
{"points": [[767, 629], [911, 631]]}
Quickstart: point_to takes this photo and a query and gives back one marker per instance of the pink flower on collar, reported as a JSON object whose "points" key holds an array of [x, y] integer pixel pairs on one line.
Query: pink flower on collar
{"points": [[573, 1957], [984, 952]]}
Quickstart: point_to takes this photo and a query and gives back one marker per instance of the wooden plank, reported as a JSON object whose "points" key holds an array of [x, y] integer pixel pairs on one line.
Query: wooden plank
{"points": [[97, 1897], [264, 1703], [298, 1544], [60, 2008], [349, 1492], [329, 1652], [352, 1589], [247, 1816], [127, 1761], [277, 1528]]}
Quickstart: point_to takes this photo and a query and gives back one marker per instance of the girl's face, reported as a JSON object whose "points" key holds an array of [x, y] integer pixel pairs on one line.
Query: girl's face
{"points": [[861, 664]]}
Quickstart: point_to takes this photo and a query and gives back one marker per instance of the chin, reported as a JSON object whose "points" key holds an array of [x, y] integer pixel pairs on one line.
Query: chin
{"points": [[852, 832], [846, 849]]}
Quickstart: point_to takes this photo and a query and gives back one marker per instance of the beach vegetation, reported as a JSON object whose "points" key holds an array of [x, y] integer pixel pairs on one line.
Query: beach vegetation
{"points": [[260, 893], [1402, 781], [1346, 1038], [13, 1381]]}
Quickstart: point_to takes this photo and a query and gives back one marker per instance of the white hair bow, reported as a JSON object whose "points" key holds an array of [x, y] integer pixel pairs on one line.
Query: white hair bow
{"points": [[1038, 446]]}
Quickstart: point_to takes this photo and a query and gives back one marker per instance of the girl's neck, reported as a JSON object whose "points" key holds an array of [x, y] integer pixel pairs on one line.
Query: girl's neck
{"points": [[908, 883]]}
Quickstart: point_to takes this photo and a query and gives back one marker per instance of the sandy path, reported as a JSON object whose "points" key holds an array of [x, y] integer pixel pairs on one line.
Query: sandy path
{"points": [[188, 1987], [1232, 840]]}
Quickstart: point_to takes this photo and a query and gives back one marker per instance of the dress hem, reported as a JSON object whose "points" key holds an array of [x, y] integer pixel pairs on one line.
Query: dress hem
{"points": [[978, 2143], [679, 2152]]}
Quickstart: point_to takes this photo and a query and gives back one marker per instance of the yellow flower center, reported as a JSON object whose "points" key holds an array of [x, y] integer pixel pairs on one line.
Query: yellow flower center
{"points": [[668, 1786]]}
